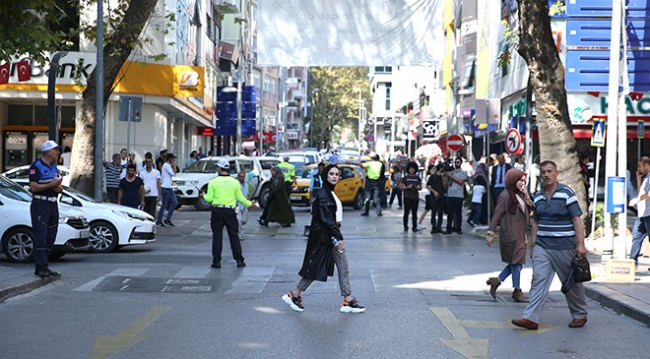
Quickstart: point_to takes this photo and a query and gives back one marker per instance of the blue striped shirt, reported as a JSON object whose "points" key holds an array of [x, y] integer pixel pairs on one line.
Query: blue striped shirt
{"points": [[113, 175], [554, 216]]}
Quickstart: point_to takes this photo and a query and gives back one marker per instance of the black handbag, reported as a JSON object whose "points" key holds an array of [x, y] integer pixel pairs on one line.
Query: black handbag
{"points": [[580, 270]]}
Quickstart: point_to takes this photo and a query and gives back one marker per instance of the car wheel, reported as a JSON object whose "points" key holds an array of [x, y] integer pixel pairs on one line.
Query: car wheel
{"points": [[200, 204], [358, 200], [262, 198], [103, 237], [18, 245]]}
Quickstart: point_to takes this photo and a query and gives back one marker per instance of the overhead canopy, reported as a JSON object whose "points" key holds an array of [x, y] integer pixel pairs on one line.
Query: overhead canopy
{"points": [[350, 32]]}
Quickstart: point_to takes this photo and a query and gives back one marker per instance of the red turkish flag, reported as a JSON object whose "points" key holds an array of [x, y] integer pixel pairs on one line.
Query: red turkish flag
{"points": [[4, 73], [24, 71]]}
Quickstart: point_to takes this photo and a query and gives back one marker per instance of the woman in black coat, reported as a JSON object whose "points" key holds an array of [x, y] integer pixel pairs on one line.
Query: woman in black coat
{"points": [[278, 209], [325, 246]]}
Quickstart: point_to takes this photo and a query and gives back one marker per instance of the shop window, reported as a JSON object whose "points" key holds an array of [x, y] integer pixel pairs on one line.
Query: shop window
{"points": [[68, 116], [40, 116], [20, 115]]}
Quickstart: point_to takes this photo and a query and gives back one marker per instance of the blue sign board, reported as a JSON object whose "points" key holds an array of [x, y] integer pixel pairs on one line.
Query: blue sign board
{"points": [[589, 70], [603, 8], [229, 128], [591, 33]]}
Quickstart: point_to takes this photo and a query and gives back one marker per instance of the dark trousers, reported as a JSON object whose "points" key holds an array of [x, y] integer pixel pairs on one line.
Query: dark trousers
{"points": [[112, 194], [150, 205], [411, 206], [287, 187], [396, 193], [639, 232], [454, 214], [45, 225], [225, 217], [372, 193], [437, 210], [382, 194]]}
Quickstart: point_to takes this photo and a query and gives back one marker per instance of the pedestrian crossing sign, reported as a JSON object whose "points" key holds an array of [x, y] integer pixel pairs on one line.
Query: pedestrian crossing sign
{"points": [[598, 134]]}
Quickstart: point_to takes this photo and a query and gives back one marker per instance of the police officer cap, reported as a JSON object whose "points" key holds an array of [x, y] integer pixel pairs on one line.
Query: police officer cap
{"points": [[49, 145], [374, 155], [223, 164]]}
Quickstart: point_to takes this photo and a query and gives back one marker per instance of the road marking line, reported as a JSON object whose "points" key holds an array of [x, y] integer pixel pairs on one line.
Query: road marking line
{"points": [[450, 322]]}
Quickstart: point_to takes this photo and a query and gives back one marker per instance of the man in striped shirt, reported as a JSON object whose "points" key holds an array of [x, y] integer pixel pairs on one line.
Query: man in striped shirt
{"points": [[557, 237], [113, 171]]}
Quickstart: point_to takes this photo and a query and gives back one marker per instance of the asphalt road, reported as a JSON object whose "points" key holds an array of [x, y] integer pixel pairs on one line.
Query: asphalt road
{"points": [[425, 296]]}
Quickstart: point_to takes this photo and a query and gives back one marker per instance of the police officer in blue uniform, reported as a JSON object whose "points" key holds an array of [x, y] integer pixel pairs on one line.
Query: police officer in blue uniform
{"points": [[45, 185]]}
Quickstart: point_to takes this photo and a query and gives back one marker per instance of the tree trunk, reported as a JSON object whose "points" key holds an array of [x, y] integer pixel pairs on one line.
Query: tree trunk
{"points": [[119, 45], [556, 141]]}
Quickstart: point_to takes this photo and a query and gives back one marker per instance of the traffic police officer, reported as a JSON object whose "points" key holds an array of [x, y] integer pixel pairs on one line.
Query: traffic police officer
{"points": [[45, 185], [289, 172], [223, 193], [374, 173]]}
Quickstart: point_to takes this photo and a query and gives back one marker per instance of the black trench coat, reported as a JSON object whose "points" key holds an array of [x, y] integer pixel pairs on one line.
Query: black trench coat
{"points": [[318, 263]]}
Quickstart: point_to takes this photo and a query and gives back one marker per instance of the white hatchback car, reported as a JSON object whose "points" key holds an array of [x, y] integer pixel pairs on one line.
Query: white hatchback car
{"points": [[22, 172], [111, 225], [16, 226]]}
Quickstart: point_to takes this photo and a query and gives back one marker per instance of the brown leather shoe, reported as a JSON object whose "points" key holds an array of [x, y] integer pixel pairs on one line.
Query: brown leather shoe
{"points": [[578, 323], [525, 323], [518, 296]]}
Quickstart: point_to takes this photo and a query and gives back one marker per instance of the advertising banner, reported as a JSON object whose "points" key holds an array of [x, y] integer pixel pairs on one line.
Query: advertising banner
{"points": [[350, 32]]}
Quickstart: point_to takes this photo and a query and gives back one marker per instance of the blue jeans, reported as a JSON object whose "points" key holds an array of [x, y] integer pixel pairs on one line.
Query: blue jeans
{"points": [[515, 270], [639, 233], [477, 209], [168, 198]]}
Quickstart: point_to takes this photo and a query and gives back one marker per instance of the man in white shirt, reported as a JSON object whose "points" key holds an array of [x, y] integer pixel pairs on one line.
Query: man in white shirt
{"points": [[123, 162], [168, 196], [152, 186]]}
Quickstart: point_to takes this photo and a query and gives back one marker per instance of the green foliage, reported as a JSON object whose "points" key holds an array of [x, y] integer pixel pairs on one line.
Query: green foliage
{"points": [[558, 7], [511, 40], [335, 104], [25, 28]]}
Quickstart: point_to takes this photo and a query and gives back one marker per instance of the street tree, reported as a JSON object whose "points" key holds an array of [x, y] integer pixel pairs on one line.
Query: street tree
{"points": [[547, 77], [335, 104]]}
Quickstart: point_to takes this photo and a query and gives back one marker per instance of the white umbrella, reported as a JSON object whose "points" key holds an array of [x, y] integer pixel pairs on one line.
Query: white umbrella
{"points": [[429, 150]]}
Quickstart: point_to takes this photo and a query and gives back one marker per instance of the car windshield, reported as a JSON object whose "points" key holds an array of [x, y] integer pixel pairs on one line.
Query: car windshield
{"points": [[305, 172], [205, 166], [81, 195], [14, 191], [267, 164]]}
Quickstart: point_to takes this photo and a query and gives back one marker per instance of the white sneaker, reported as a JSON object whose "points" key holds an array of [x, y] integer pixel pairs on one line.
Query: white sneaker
{"points": [[352, 306], [421, 227]]}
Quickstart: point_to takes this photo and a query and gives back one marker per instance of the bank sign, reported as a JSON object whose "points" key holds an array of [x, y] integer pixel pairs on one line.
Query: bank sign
{"points": [[583, 107], [73, 65]]}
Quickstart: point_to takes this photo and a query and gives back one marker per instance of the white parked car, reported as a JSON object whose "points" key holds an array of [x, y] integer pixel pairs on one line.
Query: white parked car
{"points": [[111, 225], [16, 225], [22, 172], [194, 179]]}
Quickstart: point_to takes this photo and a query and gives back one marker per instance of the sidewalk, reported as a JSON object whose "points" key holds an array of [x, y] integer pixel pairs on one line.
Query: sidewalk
{"points": [[17, 279]]}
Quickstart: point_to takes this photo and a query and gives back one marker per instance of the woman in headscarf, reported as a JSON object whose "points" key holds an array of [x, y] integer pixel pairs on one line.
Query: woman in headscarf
{"points": [[278, 209], [325, 246], [512, 214]]}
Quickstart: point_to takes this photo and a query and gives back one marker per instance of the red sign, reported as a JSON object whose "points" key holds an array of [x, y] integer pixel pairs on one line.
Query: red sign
{"points": [[514, 144], [455, 142], [205, 131]]}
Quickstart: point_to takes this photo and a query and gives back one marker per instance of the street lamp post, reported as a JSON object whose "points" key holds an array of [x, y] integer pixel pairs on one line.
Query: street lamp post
{"points": [[360, 105], [314, 92], [240, 78]]}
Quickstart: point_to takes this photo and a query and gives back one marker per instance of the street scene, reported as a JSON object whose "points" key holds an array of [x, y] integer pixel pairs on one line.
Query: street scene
{"points": [[324, 179], [425, 297]]}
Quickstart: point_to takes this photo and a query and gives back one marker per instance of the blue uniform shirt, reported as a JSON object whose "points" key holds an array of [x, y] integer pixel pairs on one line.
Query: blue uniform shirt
{"points": [[40, 172]]}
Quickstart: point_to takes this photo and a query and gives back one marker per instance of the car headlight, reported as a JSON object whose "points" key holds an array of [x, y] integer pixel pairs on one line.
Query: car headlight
{"points": [[131, 215]]}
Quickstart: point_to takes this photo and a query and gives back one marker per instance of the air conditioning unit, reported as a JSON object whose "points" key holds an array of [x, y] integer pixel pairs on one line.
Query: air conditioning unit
{"points": [[298, 94]]}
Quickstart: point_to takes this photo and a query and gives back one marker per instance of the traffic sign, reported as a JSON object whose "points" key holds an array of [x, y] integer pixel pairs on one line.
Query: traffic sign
{"points": [[514, 145], [455, 142], [640, 129], [598, 133]]}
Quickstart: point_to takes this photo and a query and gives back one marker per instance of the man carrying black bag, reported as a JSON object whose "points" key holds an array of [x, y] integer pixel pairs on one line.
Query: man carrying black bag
{"points": [[557, 237]]}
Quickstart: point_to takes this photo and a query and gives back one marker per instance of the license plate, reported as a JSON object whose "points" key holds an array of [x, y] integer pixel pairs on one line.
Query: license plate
{"points": [[296, 198], [84, 234]]}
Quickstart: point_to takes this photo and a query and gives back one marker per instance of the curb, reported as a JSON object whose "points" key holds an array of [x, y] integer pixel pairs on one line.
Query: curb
{"points": [[19, 289], [621, 304]]}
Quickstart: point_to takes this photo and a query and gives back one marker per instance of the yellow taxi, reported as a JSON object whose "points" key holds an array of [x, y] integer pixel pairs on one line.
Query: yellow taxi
{"points": [[349, 189], [363, 159]]}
